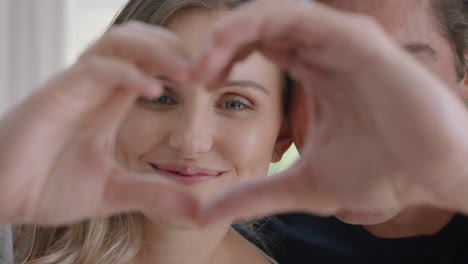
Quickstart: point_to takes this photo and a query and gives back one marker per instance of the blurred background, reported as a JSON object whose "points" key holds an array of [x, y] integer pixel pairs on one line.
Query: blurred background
{"points": [[40, 37]]}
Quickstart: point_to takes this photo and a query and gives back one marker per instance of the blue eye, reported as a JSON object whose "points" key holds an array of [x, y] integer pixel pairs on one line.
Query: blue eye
{"points": [[164, 100], [234, 105]]}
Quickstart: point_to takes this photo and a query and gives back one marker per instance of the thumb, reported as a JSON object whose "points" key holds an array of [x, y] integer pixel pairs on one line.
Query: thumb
{"points": [[145, 193], [281, 193]]}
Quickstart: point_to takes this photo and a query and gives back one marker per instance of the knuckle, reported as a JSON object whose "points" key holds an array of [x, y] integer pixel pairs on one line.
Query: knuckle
{"points": [[134, 25], [115, 33], [90, 68], [221, 37], [89, 64]]}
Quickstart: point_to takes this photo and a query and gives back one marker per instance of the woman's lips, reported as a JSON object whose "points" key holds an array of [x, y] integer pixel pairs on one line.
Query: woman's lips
{"points": [[189, 175]]}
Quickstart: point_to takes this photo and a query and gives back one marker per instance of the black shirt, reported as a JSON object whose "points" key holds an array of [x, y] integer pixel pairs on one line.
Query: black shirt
{"points": [[300, 238]]}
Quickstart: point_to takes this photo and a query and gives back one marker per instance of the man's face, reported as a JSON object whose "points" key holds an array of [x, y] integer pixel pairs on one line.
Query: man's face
{"points": [[411, 24]]}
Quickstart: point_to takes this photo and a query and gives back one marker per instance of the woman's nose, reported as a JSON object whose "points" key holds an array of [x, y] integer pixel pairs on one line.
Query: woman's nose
{"points": [[192, 137]]}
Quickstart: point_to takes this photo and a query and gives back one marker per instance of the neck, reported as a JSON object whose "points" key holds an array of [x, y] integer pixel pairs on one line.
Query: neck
{"points": [[411, 222], [169, 245]]}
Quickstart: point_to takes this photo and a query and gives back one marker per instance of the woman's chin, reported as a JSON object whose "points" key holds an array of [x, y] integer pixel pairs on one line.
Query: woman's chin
{"points": [[367, 218]]}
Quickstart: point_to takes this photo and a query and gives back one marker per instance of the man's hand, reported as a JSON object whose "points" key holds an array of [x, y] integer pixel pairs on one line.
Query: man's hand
{"points": [[383, 131]]}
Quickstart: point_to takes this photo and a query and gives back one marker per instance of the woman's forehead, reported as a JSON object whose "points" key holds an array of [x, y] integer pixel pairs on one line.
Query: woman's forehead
{"points": [[194, 26]]}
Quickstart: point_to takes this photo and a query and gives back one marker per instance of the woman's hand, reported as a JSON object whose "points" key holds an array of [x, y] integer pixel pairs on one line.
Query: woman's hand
{"points": [[57, 162], [383, 132]]}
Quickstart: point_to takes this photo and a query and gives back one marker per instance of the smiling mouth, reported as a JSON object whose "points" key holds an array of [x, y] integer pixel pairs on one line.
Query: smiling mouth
{"points": [[186, 175]]}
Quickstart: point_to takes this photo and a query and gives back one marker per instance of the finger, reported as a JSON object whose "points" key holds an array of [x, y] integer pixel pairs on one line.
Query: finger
{"points": [[163, 40], [220, 52], [282, 193], [109, 116], [318, 34], [152, 32], [242, 29], [132, 192], [221, 75], [90, 83], [149, 47], [113, 110]]}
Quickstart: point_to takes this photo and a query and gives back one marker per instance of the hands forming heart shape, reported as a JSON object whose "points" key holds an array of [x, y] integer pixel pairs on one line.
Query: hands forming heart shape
{"points": [[382, 131]]}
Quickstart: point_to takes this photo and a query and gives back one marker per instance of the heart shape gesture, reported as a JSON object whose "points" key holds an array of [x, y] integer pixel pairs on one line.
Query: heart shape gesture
{"points": [[75, 175], [382, 132]]}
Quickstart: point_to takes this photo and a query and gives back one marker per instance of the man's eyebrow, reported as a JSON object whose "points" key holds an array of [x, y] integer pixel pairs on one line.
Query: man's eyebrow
{"points": [[419, 47], [246, 84], [238, 83]]}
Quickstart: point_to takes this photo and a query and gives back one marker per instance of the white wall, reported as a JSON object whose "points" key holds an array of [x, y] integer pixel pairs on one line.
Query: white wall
{"points": [[87, 20], [40, 37], [31, 45]]}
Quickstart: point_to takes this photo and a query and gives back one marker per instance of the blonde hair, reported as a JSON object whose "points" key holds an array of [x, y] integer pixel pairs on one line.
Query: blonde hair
{"points": [[117, 239], [113, 240]]}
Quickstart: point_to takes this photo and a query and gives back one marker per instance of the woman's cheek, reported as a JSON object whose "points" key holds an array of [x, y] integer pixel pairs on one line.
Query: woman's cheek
{"points": [[249, 145], [139, 134]]}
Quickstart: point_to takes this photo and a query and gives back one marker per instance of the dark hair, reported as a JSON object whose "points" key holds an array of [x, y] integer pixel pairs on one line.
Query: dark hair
{"points": [[452, 20]]}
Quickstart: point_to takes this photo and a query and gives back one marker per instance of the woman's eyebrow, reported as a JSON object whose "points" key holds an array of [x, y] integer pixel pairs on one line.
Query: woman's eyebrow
{"points": [[246, 84], [168, 80], [238, 83]]}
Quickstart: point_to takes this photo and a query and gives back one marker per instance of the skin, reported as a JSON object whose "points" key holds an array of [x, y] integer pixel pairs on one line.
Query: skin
{"points": [[194, 127], [410, 24]]}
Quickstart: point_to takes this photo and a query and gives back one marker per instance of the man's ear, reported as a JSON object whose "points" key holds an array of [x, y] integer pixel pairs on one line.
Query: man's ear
{"points": [[283, 142]]}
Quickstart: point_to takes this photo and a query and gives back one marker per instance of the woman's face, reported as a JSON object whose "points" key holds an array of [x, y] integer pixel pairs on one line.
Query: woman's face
{"points": [[206, 140]]}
